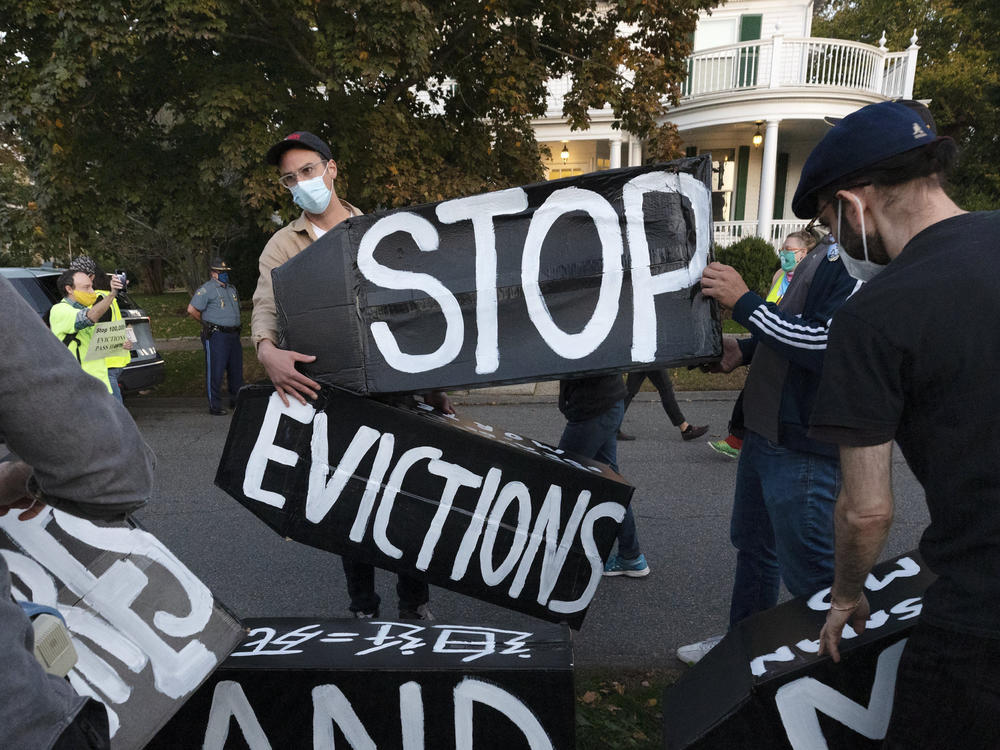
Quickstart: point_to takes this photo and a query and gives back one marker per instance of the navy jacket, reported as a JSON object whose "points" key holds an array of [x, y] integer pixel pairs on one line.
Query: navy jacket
{"points": [[801, 339]]}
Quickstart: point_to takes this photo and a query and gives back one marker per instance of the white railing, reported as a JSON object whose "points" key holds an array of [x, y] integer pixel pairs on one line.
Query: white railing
{"points": [[779, 62], [727, 232]]}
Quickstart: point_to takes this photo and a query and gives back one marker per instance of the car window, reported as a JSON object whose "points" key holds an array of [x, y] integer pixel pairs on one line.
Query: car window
{"points": [[35, 293]]}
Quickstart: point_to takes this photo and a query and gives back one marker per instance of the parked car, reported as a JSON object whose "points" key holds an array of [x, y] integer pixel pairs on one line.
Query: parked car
{"points": [[38, 286]]}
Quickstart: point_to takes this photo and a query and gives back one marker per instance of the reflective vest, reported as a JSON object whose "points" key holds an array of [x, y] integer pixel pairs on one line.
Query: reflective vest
{"points": [[116, 314]]}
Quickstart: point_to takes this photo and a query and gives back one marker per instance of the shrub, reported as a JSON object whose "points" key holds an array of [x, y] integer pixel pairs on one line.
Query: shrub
{"points": [[754, 258]]}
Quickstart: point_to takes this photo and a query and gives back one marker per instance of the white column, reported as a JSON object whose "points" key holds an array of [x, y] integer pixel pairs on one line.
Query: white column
{"points": [[615, 144], [768, 170], [911, 66], [634, 151]]}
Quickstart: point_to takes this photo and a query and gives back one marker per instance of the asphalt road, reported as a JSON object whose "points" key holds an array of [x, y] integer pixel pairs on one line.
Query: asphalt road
{"points": [[683, 501]]}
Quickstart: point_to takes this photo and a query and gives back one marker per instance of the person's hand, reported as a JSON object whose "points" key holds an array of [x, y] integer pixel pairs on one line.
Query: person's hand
{"points": [[280, 367], [732, 357], [440, 401], [116, 285], [836, 619], [13, 490], [723, 283]]}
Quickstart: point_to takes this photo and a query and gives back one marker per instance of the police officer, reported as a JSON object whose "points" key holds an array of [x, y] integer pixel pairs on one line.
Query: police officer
{"points": [[217, 305]]}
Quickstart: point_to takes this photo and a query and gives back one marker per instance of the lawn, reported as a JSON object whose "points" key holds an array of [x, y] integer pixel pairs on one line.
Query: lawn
{"points": [[185, 374]]}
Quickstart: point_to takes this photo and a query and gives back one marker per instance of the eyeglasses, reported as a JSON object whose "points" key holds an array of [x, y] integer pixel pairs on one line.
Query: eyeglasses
{"points": [[816, 220], [306, 172]]}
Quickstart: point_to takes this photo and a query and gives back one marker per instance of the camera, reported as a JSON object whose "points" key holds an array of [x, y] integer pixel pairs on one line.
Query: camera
{"points": [[122, 277]]}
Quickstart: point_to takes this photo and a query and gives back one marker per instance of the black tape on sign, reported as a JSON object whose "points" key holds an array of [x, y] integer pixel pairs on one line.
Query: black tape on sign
{"points": [[461, 505], [586, 275], [765, 686], [300, 683]]}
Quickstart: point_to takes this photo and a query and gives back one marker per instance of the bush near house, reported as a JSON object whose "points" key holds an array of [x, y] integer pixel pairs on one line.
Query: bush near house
{"points": [[754, 258]]}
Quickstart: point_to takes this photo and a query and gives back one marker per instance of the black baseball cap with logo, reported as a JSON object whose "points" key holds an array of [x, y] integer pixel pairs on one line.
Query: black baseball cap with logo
{"points": [[299, 139]]}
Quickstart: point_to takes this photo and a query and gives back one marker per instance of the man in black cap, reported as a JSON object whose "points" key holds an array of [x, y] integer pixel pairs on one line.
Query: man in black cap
{"points": [[217, 305], [912, 358], [306, 169]]}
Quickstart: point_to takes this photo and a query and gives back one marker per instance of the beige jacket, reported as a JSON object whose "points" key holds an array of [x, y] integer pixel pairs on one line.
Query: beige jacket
{"points": [[285, 244]]}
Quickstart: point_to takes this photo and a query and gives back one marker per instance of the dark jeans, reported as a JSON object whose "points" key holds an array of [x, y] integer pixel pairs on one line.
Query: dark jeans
{"points": [[661, 381], [947, 692], [782, 525], [89, 730], [596, 438], [361, 588], [223, 355]]}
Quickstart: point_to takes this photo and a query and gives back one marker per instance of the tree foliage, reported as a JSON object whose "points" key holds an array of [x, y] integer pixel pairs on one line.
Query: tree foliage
{"points": [[142, 124], [958, 69]]}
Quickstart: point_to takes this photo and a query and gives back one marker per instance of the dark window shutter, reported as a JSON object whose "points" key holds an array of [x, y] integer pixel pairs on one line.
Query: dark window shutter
{"points": [[780, 178], [742, 167]]}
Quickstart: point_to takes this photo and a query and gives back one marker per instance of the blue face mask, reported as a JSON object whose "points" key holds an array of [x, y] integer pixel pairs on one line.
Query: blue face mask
{"points": [[788, 260], [312, 195], [224, 277]]}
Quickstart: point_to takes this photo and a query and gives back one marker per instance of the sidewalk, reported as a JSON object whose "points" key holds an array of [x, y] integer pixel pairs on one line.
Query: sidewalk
{"points": [[520, 393]]}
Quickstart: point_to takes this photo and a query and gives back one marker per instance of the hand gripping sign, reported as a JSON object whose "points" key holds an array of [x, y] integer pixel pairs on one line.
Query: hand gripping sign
{"points": [[587, 275]]}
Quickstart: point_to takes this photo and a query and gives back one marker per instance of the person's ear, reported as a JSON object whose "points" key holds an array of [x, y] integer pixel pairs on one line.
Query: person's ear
{"points": [[332, 170]]}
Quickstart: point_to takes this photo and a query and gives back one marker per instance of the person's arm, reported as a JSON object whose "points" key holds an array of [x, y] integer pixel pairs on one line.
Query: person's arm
{"points": [[194, 312], [278, 363], [799, 339], [862, 518], [96, 464], [440, 401], [97, 310]]}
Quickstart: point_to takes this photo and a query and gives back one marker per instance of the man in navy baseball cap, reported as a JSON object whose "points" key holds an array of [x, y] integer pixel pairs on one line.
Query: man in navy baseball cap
{"points": [[909, 361], [301, 139]]}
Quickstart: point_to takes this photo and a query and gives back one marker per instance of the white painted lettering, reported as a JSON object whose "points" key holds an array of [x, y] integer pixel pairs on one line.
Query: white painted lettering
{"points": [[602, 510], [265, 450], [510, 492], [455, 476], [392, 488]]}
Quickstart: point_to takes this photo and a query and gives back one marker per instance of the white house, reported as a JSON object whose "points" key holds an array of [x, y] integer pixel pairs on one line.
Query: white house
{"points": [[757, 90]]}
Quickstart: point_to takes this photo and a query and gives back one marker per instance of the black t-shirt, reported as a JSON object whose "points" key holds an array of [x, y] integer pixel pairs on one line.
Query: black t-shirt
{"points": [[915, 356], [584, 398]]}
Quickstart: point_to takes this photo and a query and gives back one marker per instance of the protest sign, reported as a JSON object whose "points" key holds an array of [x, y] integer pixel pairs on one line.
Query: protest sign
{"points": [[592, 274], [301, 683], [146, 631], [109, 340], [462, 505], [765, 686]]}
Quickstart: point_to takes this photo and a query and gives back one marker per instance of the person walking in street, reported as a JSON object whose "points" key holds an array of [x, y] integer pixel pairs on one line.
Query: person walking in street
{"points": [[661, 381], [216, 305]]}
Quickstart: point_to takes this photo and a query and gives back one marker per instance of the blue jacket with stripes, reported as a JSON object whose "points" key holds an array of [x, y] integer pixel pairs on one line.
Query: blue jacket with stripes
{"points": [[801, 339]]}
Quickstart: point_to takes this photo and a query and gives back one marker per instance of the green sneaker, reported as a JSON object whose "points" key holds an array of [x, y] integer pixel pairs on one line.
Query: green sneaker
{"points": [[721, 446]]}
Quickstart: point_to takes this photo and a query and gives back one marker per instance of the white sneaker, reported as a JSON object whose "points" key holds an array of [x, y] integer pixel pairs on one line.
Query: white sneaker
{"points": [[695, 652]]}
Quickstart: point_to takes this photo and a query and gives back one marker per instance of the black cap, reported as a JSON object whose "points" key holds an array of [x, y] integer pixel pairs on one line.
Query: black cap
{"points": [[218, 264], [919, 107], [863, 139], [299, 139]]}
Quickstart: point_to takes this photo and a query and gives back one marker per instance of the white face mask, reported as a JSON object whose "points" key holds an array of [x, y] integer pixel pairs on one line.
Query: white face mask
{"points": [[862, 270], [312, 195]]}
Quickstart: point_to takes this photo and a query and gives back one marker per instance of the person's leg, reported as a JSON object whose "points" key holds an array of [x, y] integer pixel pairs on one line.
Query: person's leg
{"points": [[361, 587], [412, 594], [234, 366], [661, 381], [595, 437], [947, 691], [800, 491], [633, 383], [756, 583], [116, 391], [214, 367], [89, 730]]}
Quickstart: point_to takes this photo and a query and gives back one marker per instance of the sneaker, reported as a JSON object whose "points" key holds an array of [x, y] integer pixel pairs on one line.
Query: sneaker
{"points": [[625, 436], [365, 615], [218, 412], [695, 652], [617, 566], [721, 446], [422, 612], [692, 432]]}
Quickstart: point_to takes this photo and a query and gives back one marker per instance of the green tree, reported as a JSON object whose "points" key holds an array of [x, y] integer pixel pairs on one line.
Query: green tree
{"points": [[143, 124], [958, 69]]}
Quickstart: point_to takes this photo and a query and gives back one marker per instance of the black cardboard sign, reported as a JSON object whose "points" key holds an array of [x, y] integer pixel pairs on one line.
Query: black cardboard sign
{"points": [[146, 631], [462, 505], [302, 683], [585, 275], [764, 685]]}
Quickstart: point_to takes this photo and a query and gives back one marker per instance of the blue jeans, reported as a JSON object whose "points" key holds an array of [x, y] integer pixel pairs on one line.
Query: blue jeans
{"points": [[782, 525], [597, 438], [113, 373], [947, 691]]}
